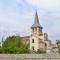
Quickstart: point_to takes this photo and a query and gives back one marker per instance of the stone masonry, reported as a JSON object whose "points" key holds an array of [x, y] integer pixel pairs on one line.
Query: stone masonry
{"points": [[29, 56]]}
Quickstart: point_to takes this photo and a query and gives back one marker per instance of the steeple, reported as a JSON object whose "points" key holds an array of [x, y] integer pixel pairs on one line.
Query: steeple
{"points": [[36, 21]]}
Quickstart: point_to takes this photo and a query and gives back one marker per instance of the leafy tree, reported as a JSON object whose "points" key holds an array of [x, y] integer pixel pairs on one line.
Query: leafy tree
{"points": [[58, 45], [1, 49], [58, 42], [14, 45]]}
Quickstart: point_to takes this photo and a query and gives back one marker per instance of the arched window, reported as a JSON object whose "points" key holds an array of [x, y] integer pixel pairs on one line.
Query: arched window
{"points": [[33, 48], [32, 40], [45, 44], [33, 29]]}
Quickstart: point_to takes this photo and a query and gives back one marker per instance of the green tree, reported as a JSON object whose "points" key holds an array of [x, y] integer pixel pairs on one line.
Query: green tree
{"points": [[58, 45], [1, 49], [14, 45]]}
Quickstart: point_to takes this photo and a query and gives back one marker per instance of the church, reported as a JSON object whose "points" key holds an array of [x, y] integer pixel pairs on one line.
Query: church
{"points": [[38, 40]]}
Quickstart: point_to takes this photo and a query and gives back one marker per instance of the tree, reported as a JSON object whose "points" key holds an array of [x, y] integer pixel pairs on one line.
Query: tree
{"points": [[14, 44], [1, 49], [58, 45]]}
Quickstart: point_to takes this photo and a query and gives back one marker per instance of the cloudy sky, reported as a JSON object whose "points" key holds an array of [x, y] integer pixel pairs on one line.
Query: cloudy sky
{"points": [[17, 16]]}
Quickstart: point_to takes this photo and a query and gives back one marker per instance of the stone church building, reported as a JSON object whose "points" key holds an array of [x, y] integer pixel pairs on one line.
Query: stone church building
{"points": [[38, 40]]}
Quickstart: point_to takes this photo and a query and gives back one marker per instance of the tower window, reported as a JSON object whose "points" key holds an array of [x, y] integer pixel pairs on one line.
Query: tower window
{"points": [[32, 40], [33, 30]]}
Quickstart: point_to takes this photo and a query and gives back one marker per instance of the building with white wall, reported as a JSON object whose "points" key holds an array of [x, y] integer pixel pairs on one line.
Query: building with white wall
{"points": [[38, 39]]}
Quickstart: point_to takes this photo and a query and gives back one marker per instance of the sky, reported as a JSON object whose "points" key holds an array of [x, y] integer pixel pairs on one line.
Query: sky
{"points": [[17, 16]]}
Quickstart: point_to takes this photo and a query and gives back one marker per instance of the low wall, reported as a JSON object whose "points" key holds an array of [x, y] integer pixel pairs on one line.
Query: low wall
{"points": [[29, 56]]}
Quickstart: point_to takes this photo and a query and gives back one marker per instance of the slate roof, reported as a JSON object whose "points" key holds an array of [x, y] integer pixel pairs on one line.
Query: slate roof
{"points": [[36, 22]]}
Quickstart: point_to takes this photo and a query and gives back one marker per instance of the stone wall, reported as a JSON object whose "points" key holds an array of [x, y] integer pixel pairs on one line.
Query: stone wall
{"points": [[29, 56]]}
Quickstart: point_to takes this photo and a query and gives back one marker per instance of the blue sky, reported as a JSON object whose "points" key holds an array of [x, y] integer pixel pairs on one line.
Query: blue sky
{"points": [[17, 16]]}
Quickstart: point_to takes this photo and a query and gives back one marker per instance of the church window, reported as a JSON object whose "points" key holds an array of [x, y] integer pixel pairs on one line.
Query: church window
{"points": [[39, 29], [33, 48], [45, 44], [33, 30], [32, 40]]}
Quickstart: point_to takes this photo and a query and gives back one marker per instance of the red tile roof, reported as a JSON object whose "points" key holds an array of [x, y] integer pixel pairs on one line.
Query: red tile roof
{"points": [[26, 38], [54, 45]]}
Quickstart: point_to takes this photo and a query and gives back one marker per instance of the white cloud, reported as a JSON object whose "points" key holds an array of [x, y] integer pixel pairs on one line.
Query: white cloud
{"points": [[18, 16], [51, 5]]}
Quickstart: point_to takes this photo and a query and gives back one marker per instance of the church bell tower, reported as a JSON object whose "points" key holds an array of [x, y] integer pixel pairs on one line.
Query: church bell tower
{"points": [[35, 33], [36, 27]]}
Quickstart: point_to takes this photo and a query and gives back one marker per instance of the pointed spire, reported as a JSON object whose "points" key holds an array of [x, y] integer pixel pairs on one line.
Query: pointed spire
{"points": [[36, 22], [36, 18]]}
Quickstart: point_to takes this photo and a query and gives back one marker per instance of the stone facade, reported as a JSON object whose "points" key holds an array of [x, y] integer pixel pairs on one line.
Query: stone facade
{"points": [[41, 40], [38, 39], [29, 56]]}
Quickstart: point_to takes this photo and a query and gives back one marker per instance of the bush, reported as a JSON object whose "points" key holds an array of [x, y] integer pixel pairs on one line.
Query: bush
{"points": [[41, 52]]}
